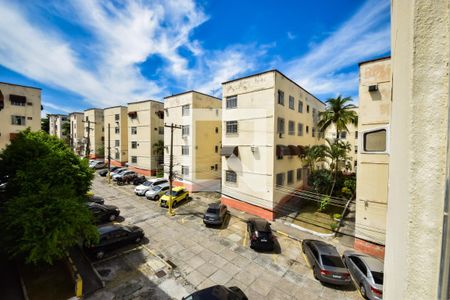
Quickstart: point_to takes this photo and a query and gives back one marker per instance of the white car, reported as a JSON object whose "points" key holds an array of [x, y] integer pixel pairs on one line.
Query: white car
{"points": [[97, 164], [140, 190], [157, 191]]}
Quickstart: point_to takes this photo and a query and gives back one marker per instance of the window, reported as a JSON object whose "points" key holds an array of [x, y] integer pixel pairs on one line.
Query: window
{"points": [[117, 130], [134, 159], [291, 102], [356, 149], [133, 130], [231, 102], [17, 120], [184, 150], [299, 174], [216, 149], [232, 127], [343, 135], [117, 143], [117, 117], [161, 130], [307, 109], [185, 170], [230, 176], [217, 129], [300, 106], [184, 130], [314, 112], [87, 118], [215, 167], [361, 266], [300, 129], [280, 179], [356, 135], [280, 97], [117, 156], [375, 141], [291, 128], [29, 118], [18, 100], [186, 110], [307, 129], [280, 125], [313, 131], [133, 145], [290, 177]]}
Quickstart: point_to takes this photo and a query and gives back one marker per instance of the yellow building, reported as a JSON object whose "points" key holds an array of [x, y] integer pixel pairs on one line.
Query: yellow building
{"points": [[117, 137], [266, 117], [373, 157], [76, 131], [20, 108], [55, 124], [145, 128], [94, 133], [196, 146]]}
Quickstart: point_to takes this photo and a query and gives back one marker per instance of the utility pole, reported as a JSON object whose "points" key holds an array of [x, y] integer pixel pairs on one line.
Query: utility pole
{"points": [[109, 153], [88, 142], [172, 127]]}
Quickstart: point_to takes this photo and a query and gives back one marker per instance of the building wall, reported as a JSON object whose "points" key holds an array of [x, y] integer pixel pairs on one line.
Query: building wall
{"points": [[96, 132], [56, 123], [31, 111], [373, 168], [148, 126], [119, 154], [77, 131]]}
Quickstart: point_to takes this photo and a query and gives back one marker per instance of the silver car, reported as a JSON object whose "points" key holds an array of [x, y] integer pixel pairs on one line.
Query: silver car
{"points": [[141, 189], [122, 174], [157, 191], [367, 273]]}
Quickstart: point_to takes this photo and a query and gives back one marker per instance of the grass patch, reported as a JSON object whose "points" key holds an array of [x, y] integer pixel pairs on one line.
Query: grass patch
{"points": [[319, 221]]}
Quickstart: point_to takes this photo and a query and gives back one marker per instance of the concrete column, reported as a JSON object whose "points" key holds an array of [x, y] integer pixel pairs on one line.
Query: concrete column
{"points": [[418, 154]]}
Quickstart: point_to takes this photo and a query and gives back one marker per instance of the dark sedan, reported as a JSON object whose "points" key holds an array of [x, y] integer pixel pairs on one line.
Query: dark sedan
{"points": [[218, 292], [104, 172], [215, 214], [260, 233], [114, 236], [326, 262], [103, 213], [95, 199]]}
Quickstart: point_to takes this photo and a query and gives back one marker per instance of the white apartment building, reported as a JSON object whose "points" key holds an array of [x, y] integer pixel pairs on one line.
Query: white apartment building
{"points": [[196, 146], [94, 135], [117, 135], [55, 125], [267, 117], [76, 131]]}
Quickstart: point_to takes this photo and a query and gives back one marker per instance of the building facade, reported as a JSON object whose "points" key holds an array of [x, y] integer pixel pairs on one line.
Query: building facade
{"points": [[145, 129], [20, 108], [76, 132], [116, 137], [267, 118], [197, 144], [94, 133], [373, 157], [55, 125]]}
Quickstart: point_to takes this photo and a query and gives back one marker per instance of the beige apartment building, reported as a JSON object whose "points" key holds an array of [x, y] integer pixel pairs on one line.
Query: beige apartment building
{"points": [[20, 108], [266, 117], [145, 129], [196, 146], [117, 135], [76, 131], [94, 135], [55, 125]]}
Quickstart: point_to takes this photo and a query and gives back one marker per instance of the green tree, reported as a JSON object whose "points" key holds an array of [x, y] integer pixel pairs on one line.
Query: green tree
{"points": [[339, 112], [45, 125], [44, 213], [337, 152], [158, 150], [66, 132], [311, 155]]}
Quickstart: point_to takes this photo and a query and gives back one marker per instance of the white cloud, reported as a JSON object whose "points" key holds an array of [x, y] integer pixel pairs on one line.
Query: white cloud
{"points": [[56, 107], [291, 36]]}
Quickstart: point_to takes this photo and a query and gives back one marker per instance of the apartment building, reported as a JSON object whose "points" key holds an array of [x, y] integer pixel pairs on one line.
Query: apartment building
{"points": [[76, 131], [373, 157], [196, 146], [117, 135], [267, 118], [145, 129], [20, 108], [94, 135], [55, 125]]}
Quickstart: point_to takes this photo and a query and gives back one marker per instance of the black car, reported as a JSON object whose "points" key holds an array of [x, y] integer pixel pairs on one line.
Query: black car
{"points": [[112, 237], [139, 180], [104, 172], [218, 292], [260, 234], [103, 213], [95, 199], [215, 214]]}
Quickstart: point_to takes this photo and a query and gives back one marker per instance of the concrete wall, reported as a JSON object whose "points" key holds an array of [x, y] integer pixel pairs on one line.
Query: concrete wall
{"points": [[76, 131], [419, 162], [119, 154], [56, 123], [31, 111], [96, 132]]}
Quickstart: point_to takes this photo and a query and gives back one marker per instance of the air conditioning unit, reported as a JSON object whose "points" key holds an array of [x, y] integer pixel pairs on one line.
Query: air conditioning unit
{"points": [[253, 148], [373, 88]]}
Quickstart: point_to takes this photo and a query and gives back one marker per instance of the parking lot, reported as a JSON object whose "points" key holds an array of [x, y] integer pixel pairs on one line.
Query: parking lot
{"points": [[181, 255]]}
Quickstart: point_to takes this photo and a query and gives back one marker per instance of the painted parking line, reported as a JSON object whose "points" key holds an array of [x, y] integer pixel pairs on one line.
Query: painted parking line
{"points": [[244, 241]]}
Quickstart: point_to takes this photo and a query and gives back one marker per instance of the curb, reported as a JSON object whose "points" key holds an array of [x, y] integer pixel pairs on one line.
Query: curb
{"points": [[161, 259], [77, 278], [322, 235]]}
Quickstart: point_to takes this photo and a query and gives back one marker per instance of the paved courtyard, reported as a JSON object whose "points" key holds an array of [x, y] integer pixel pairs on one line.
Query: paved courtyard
{"points": [[181, 255]]}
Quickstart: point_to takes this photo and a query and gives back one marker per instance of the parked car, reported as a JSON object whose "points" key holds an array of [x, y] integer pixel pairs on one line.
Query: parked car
{"points": [[140, 190], [179, 194], [217, 292], [157, 191], [95, 199], [103, 213], [367, 273], [97, 164], [215, 214], [118, 171], [260, 233], [123, 174], [3, 183], [326, 262], [113, 236], [139, 180], [103, 173]]}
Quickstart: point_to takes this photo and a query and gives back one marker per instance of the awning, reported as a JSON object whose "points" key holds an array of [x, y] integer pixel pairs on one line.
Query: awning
{"points": [[293, 150], [17, 98], [282, 150], [301, 150], [132, 114], [160, 114], [228, 150]]}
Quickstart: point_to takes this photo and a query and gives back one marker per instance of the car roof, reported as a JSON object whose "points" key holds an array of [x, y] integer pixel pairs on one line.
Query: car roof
{"points": [[324, 248], [260, 224], [164, 185], [214, 205], [156, 179], [108, 228], [178, 188], [373, 263]]}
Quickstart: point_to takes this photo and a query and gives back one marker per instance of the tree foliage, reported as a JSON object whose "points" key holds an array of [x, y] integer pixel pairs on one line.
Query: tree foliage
{"points": [[44, 213], [311, 155], [45, 125], [339, 112]]}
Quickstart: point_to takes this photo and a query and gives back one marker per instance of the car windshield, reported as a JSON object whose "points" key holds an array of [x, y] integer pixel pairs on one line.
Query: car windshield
{"points": [[174, 193], [377, 277], [156, 188], [147, 183], [332, 261], [212, 210]]}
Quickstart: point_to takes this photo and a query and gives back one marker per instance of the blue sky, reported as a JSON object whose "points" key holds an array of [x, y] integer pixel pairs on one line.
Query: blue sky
{"points": [[89, 53]]}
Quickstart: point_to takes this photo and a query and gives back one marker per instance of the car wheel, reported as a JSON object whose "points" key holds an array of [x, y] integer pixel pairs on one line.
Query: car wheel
{"points": [[362, 289], [174, 204], [112, 217], [156, 198], [315, 273], [100, 254], [137, 240]]}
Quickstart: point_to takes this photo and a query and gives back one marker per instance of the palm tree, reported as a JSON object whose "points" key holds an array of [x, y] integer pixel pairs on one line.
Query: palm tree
{"points": [[338, 113], [337, 152], [311, 155]]}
